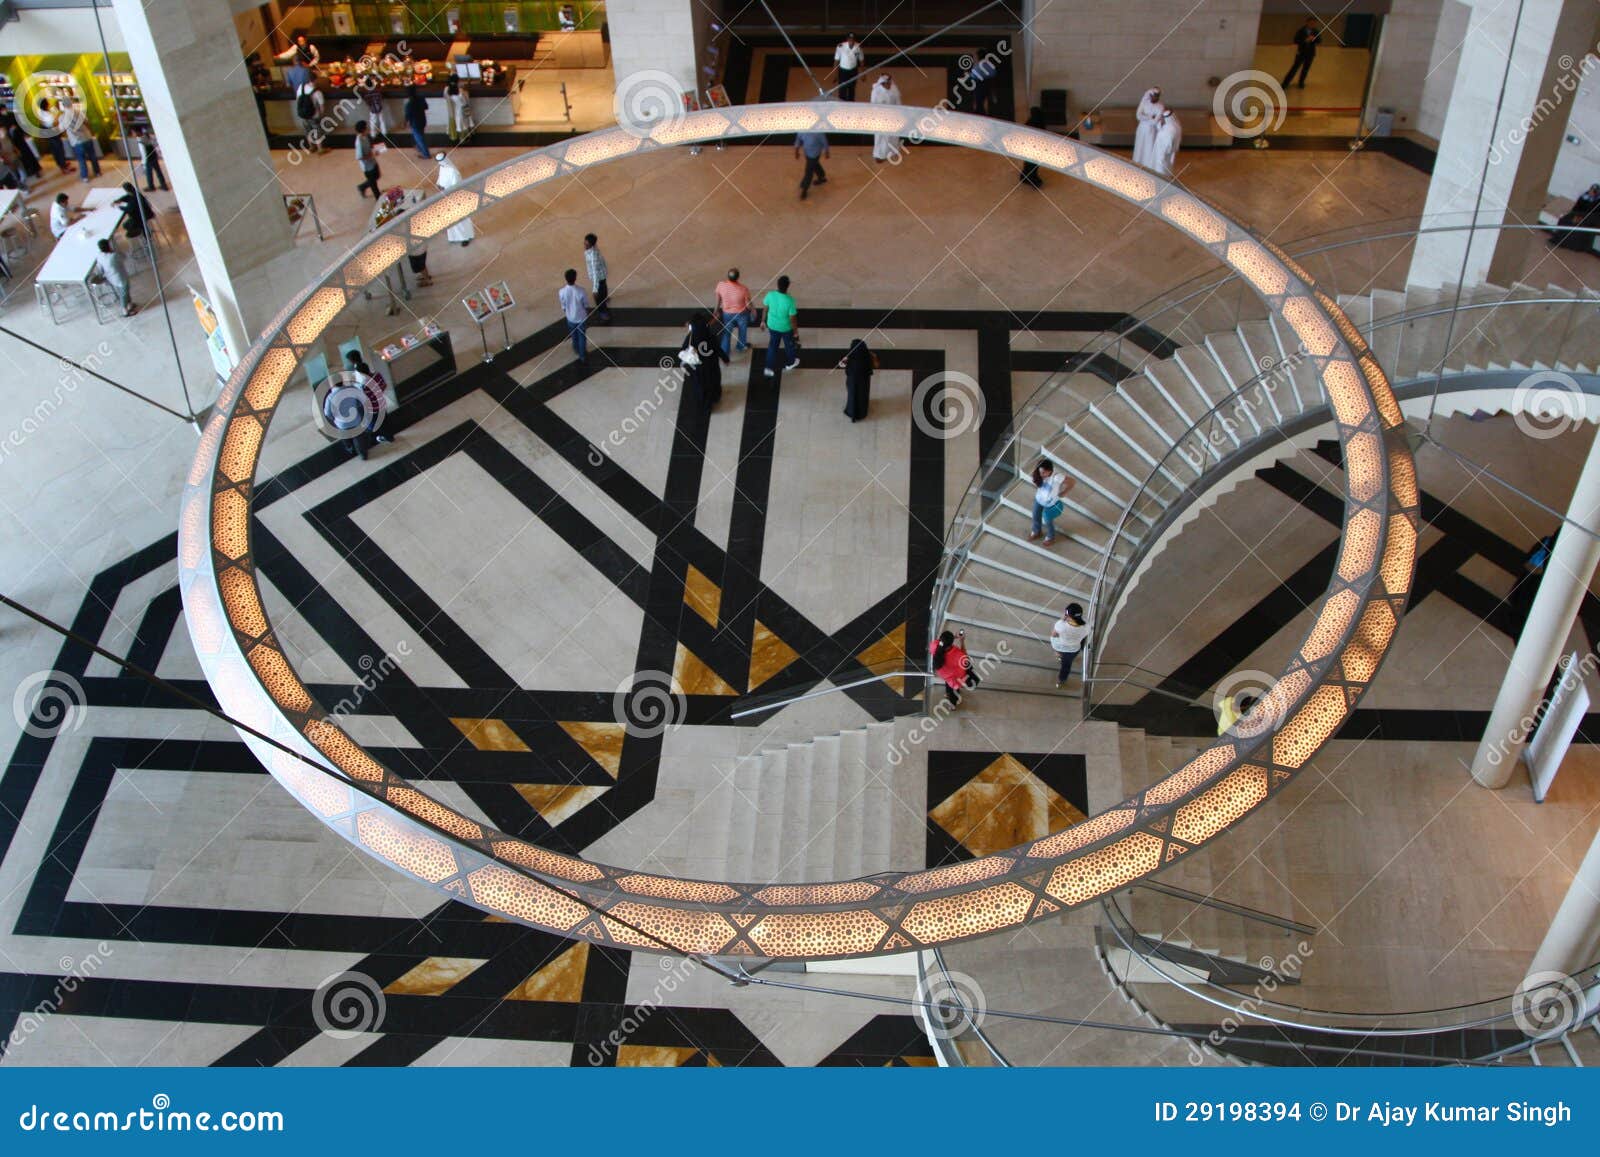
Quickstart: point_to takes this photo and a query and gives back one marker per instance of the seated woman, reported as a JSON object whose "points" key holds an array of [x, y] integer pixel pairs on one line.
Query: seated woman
{"points": [[1585, 211], [137, 212]]}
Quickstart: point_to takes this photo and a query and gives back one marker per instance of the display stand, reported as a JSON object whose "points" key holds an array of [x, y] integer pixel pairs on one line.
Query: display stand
{"points": [[479, 309], [419, 362], [502, 302], [299, 206]]}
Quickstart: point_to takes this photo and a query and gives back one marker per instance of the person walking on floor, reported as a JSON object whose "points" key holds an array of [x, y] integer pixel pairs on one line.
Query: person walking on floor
{"points": [[702, 357], [1067, 638], [781, 315], [375, 389], [1030, 170], [49, 119], [80, 138], [367, 158], [113, 268], [982, 75], [858, 365], [1305, 51], [575, 307], [150, 158], [136, 211], [24, 146], [814, 147], [458, 109], [372, 97], [1048, 486], [733, 310], [848, 57], [595, 264], [416, 114], [952, 664]]}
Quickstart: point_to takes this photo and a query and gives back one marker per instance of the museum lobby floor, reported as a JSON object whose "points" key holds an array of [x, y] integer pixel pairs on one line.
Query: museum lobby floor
{"points": [[474, 595]]}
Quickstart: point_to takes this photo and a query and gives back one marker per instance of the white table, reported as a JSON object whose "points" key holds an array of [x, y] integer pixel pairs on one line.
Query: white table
{"points": [[73, 260], [100, 198]]}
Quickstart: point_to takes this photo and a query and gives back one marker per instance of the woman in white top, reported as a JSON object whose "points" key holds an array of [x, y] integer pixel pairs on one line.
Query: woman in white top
{"points": [[1144, 137], [1048, 486], [1067, 638], [885, 146]]}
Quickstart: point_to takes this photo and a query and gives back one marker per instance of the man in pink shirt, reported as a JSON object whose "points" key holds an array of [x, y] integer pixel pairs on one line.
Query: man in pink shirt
{"points": [[733, 309]]}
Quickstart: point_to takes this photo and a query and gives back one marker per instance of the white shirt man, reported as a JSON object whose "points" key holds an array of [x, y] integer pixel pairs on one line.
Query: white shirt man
{"points": [[60, 220], [848, 57]]}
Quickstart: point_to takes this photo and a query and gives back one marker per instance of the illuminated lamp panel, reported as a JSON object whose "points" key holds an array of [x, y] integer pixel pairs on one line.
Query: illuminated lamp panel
{"points": [[520, 176], [870, 119], [204, 617], [279, 678], [1315, 331], [1106, 870], [1258, 267], [966, 872], [1358, 549], [266, 384], [502, 890], [778, 120], [699, 126], [969, 914], [1371, 639], [345, 753], [210, 438], [790, 895], [240, 449], [818, 934], [1043, 149], [1347, 391], [1332, 622], [1382, 392], [1274, 705], [954, 131], [424, 856], [440, 215], [1082, 835], [686, 929], [243, 602], [1399, 556], [314, 316], [430, 811], [1363, 466], [1294, 266], [1227, 803], [665, 888], [230, 523], [192, 539], [1194, 219], [1403, 479], [549, 863], [370, 263], [1121, 177], [1310, 728], [317, 790], [1347, 328], [1190, 776]]}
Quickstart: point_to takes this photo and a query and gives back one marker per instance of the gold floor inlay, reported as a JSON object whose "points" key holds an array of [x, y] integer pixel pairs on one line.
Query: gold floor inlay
{"points": [[433, 976], [560, 980], [691, 675], [1003, 805], [490, 734], [555, 802], [768, 655], [603, 742], [660, 1056], [888, 654], [702, 595]]}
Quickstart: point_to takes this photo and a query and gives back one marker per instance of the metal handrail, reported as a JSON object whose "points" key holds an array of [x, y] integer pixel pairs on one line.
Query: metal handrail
{"points": [[1248, 913]]}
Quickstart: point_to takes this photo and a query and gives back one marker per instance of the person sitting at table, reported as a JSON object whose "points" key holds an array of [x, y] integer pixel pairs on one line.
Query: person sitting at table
{"points": [[61, 216], [114, 271], [136, 211]]}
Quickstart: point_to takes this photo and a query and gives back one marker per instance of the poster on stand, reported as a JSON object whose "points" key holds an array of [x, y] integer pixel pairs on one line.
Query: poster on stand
{"points": [[222, 359], [499, 295]]}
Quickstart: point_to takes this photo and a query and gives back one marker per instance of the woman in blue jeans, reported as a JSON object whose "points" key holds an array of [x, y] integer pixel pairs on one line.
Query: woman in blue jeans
{"points": [[1048, 486]]}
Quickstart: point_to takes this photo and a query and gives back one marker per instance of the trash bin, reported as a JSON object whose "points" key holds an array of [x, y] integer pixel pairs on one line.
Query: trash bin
{"points": [[1383, 123]]}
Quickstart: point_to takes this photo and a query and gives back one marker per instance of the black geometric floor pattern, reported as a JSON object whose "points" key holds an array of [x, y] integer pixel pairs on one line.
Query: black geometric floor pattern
{"points": [[585, 1002]]}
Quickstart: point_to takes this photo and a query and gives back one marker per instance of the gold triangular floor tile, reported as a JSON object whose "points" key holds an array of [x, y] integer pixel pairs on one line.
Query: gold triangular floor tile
{"points": [[702, 595], [603, 742], [433, 976], [768, 655], [655, 1056], [691, 676], [888, 654], [490, 734], [555, 802], [560, 980]]}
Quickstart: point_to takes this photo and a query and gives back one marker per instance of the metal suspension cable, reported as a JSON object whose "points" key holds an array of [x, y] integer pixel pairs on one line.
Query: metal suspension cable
{"points": [[138, 205], [1485, 472], [784, 32], [11, 333]]}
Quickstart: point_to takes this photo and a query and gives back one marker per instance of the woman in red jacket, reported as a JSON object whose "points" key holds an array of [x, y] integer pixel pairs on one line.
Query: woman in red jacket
{"points": [[952, 664]]}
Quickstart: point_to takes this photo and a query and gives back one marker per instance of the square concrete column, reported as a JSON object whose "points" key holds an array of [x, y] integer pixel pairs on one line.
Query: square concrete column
{"points": [[1514, 88], [657, 48], [197, 91]]}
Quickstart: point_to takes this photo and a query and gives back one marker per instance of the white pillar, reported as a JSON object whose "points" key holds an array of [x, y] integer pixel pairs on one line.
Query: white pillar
{"points": [[1566, 579], [197, 90], [651, 37], [1503, 131], [1573, 941]]}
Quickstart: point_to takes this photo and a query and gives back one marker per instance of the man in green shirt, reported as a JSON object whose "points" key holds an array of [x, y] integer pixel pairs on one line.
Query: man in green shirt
{"points": [[781, 313]]}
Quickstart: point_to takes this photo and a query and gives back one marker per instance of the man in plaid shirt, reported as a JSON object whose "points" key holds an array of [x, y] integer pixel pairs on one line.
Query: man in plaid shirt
{"points": [[597, 276]]}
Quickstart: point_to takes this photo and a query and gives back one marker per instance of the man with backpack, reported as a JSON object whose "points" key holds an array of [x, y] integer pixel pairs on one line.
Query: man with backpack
{"points": [[308, 108]]}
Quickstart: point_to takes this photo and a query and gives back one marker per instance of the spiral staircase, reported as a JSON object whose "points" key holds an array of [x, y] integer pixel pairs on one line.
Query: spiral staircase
{"points": [[1151, 432]]}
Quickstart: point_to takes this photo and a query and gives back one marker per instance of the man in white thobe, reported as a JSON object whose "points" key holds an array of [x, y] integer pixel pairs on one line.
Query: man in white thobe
{"points": [[885, 146], [463, 231], [1169, 135], [1149, 116]]}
